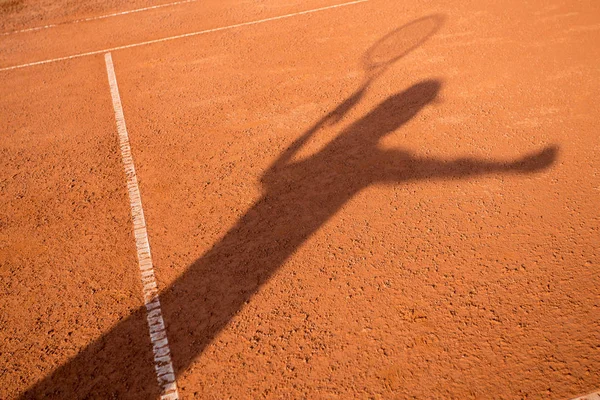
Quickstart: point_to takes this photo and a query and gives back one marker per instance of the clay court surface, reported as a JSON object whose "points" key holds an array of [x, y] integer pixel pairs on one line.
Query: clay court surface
{"points": [[320, 229]]}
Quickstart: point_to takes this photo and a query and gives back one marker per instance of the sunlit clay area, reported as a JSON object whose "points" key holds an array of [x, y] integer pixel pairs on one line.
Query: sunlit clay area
{"points": [[317, 199]]}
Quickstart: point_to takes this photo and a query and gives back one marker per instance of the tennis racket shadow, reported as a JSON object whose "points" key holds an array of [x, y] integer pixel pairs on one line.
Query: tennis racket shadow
{"points": [[299, 197]]}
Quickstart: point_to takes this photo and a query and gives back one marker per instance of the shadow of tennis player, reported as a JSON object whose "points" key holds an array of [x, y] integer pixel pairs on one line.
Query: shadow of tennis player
{"points": [[299, 197]]}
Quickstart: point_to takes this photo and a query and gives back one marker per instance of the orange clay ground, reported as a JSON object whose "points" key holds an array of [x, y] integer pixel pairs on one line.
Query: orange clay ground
{"points": [[430, 233]]}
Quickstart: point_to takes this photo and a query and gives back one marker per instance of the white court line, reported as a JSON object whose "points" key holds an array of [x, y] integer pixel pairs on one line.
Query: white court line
{"points": [[37, 28], [156, 325], [185, 35]]}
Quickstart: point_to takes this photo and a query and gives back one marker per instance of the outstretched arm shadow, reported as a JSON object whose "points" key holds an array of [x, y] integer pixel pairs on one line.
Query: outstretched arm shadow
{"points": [[417, 168]]}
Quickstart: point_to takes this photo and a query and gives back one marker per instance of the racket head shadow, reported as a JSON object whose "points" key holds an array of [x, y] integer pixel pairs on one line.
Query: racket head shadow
{"points": [[398, 43]]}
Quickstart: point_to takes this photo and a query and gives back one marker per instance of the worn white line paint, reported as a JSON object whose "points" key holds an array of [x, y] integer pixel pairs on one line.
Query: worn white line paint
{"points": [[185, 35], [156, 325], [37, 28]]}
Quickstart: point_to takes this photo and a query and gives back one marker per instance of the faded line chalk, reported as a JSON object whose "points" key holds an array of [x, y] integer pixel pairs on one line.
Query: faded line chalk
{"points": [[37, 28], [260, 21]]}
